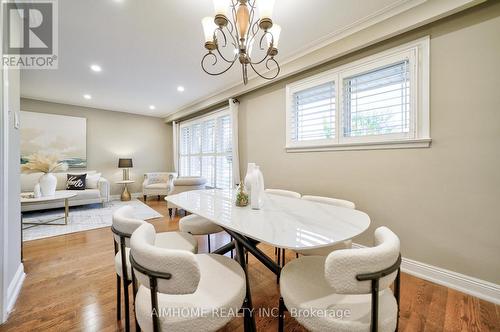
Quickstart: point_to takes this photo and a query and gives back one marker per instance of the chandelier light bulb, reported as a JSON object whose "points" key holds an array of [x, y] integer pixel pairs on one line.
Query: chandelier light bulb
{"points": [[221, 7], [274, 36], [266, 8], [208, 28]]}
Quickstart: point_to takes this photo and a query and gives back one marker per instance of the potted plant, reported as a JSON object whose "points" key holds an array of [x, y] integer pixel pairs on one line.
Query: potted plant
{"points": [[46, 164]]}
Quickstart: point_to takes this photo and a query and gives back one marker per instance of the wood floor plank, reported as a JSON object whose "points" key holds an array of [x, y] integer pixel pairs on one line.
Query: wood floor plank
{"points": [[70, 286]]}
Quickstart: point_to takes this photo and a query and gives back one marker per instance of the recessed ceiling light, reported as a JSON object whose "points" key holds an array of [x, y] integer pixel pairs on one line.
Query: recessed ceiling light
{"points": [[180, 88], [96, 68], [152, 107], [87, 96]]}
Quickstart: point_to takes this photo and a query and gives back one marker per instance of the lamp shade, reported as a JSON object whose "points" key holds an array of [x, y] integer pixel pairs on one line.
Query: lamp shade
{"points": [[208, 28], [125, 163]]}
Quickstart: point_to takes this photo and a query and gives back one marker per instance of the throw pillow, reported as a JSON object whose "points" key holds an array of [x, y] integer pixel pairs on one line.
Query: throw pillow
{"points": [[76, 182], [92, 180]]}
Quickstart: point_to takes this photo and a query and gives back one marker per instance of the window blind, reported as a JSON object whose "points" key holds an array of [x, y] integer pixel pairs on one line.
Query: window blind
{"points": [[205, 149], [378, 102], [313, 114]]}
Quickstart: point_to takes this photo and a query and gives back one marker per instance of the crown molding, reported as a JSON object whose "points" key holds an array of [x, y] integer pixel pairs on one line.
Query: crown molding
{"points": [[401, 17]]}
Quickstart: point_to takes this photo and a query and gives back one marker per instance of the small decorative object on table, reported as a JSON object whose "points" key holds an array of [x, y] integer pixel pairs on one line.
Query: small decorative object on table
{"points": [[46, 164], [241, 196]]}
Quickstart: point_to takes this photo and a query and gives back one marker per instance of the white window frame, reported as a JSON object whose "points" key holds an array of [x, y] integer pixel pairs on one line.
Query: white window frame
{"points": [[417, 52], [198, 120]]}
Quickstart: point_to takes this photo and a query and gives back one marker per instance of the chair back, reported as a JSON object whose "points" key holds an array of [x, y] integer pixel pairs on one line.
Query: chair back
{"points": [[173, 271], [281, 192], [125, 222], [330, 201], [342, 267]]}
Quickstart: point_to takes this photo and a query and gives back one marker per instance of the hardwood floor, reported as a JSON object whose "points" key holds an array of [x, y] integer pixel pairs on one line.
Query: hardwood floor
{"points": [[70, 286]]}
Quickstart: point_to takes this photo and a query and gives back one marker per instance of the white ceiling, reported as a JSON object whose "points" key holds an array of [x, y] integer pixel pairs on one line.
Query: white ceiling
{"points": [[146, 48]]}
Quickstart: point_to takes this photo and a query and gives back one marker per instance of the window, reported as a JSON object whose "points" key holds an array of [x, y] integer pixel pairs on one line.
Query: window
{"points": [[377, 102], [205, 149]]}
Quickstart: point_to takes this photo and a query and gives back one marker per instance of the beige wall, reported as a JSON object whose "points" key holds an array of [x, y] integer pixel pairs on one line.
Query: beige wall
{"points": [[442, 201], [111, 135]]}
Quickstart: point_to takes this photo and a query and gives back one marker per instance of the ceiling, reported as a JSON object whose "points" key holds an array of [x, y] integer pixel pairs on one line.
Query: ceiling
{"points": [[148, 48]]}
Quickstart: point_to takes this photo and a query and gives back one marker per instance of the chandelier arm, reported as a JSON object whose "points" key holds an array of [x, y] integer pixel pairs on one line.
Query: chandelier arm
{"points": [[223, 35], [267, 66], [234, 42], [213, 64], [234, 3], [250, 22]]}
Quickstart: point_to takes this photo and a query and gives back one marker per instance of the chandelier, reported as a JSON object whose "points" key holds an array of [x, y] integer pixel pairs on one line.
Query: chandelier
{"points": [[241, 32]]}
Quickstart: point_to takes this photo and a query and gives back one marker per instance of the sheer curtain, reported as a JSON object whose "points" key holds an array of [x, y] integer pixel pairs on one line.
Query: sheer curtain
{"points": [[175, 145], [233, 109]]}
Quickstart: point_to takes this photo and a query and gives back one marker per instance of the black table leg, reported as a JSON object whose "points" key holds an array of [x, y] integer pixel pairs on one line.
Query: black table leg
{"points": [[249, 319], [224, 249]]}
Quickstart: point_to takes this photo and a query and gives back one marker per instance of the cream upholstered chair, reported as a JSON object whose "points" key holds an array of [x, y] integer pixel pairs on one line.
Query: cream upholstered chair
{"points": [[281, 192], [124, 224], [197, 225], [194, 292], [348, 290], [280, 252], [326, 250], [157, 184], [182, 184]]}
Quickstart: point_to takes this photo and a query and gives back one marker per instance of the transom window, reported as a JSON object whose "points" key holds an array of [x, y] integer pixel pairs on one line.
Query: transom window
{"points": [[379, 100], [205, 149]]}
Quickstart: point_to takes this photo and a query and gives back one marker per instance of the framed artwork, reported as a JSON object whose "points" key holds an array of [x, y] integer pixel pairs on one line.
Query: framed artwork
{"points": [[65, 136]]}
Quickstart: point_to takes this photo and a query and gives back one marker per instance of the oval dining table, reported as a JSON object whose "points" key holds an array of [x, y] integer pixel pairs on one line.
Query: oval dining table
{"points": [[282, 222]]}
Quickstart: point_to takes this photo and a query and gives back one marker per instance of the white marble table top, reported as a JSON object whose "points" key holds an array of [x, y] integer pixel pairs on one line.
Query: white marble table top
{"points": [[283, 222], [59, 195]]}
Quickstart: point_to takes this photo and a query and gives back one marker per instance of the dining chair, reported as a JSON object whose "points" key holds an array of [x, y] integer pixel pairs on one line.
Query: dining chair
{"points": [[326, 250], [349, 290], [124, 224], [197, 225], [280, 252], [182, 291]]}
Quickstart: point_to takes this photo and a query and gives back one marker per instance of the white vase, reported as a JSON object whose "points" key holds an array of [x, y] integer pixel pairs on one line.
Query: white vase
{"points": [[257, 195], [248, 177], [48, 184]]}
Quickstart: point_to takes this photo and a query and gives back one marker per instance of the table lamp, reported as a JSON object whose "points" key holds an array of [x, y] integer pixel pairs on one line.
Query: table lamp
{"points": [[126, 164]]}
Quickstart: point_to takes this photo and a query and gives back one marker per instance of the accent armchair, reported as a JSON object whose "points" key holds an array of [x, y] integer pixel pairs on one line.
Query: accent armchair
{"points": [[182, 184], [157, 184]]}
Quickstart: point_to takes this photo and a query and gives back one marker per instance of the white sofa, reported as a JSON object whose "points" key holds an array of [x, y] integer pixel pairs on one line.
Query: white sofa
{"points": [[157, 184], [100, 194]]}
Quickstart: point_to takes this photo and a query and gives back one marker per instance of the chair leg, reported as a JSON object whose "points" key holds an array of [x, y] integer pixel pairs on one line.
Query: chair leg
{"points": [[127, 308], [283, 258], [209, 250], [118, 298], [170, 213], [296, 255], [278, 261], [281, 315], [275, 251], [158, 197], [232, 255]]}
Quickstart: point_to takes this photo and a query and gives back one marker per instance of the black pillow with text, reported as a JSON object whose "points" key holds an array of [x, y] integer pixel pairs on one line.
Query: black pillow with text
{"points": [[76, 182]]}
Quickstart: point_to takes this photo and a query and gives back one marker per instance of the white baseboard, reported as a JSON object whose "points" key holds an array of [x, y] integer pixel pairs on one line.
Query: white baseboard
{"points": [[14, 289], [482, 289], [117, 197]]}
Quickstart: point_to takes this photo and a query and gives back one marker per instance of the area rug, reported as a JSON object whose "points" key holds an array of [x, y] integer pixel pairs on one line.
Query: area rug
{"points": [[81, 218]]}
